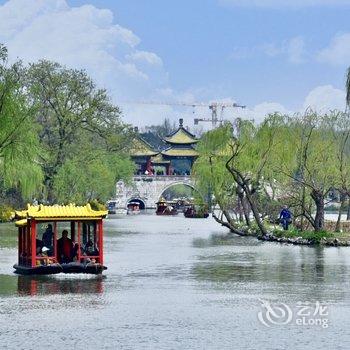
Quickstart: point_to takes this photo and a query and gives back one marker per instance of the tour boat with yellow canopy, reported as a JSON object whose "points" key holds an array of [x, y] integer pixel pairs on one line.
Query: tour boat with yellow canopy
{"points": [[164, 208], [60, 238]]}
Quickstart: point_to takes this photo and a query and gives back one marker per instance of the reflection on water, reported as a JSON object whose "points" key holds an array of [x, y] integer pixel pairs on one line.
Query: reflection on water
{"points": [[49, 285], [176, 283], [29, 285]]}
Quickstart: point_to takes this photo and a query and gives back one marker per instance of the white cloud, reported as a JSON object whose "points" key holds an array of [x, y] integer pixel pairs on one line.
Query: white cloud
{"points": [[338, 51], [87, 37], [284, 3], [321, 99], [145, 56], [325, 98], [295, 50], [292, 49], [84, 37]]}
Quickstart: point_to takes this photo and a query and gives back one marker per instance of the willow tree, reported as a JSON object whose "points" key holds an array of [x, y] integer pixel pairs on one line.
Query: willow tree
{"points": [[236, 162], [19, 147], [212, 177], [80, 128], [312, 168], [253, 159], [347, 88], [339, 125]]}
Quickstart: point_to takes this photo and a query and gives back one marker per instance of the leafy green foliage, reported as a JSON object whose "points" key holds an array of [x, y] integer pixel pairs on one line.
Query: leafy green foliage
{"points": [[81, 134], [80, 180], [6, 213], [19, 147], [61, 138], [296, 161]]}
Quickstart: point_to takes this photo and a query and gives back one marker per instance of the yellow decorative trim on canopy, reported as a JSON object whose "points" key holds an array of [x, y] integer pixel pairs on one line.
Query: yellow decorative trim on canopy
{"points": [[60, 212], [21, 223]]}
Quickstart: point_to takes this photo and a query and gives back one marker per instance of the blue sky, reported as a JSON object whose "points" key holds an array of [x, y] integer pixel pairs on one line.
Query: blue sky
{"points": [[267, 54]]}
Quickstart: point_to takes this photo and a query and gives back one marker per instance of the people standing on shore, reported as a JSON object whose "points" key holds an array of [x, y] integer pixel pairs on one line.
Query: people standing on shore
{"points": [[285, 217]]}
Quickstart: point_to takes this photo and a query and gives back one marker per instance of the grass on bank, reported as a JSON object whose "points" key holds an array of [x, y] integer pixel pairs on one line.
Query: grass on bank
{"points": [[316, 237]]}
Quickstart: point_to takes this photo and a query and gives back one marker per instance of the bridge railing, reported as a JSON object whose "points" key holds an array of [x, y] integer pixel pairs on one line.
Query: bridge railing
{"points": [[161, 177]]}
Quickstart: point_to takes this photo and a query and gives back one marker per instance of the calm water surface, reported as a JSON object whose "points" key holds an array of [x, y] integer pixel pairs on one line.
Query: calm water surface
{"points": [[176, 283]]}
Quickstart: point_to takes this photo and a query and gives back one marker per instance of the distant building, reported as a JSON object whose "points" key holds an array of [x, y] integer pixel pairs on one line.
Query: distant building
{"points": [[174, 155]]}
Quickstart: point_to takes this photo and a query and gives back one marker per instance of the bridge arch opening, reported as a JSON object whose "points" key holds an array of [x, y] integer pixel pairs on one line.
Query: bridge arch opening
{"points": [[137, 200], [179, 191]]}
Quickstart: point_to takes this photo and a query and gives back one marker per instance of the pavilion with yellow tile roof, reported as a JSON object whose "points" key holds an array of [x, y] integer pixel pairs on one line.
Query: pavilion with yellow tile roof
{"points": [[181, 151], [176, 157]]}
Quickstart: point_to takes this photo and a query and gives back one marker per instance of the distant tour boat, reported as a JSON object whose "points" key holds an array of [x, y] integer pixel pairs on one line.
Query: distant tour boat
{"points": [[133, 208], [195, 213], [163, 208], [42, 252], [112, 207]]}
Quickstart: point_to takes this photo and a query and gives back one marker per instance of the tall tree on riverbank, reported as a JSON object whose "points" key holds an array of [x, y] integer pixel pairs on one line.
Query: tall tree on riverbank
{"points": [[235, 162], [347, 88], [339, 125], [283, 160], [213, 178], [313, 166], [19, 145], [81, 134]]}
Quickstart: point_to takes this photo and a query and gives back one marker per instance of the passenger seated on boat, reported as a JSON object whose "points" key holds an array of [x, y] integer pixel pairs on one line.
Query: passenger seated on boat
{"points": [[91, 248], [75, 251], [43, 254], [65, 248], [47, 238], [169, 209], [75, 254], [39, 245], [189, 211]]}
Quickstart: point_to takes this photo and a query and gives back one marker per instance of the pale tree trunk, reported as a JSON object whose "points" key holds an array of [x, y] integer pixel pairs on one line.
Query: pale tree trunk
{"points": [[243, 206], [244, 184], [229, 223], [348, 211], [342, 203]]}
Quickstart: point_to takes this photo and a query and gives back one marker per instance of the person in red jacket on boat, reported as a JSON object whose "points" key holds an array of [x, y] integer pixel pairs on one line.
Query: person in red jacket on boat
{"points": [[65, 248]]}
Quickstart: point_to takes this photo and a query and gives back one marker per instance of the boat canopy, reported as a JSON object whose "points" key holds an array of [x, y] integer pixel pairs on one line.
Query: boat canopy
{"points": [[58, 212], [79, 250]]}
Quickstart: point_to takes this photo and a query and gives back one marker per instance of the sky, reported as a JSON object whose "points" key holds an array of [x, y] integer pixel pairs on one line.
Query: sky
{"points": [[270, 55]]}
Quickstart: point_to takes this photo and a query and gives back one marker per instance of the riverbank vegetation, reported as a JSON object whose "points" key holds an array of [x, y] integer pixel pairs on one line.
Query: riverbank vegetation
{"points": [[61, 137], [253, 170]]}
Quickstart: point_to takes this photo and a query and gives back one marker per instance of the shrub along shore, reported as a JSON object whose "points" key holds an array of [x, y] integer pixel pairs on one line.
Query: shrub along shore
{"points": [[297, 237]]}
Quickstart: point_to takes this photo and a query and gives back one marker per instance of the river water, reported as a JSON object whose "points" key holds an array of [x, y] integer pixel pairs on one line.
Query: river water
{"points": [[176, 283]]}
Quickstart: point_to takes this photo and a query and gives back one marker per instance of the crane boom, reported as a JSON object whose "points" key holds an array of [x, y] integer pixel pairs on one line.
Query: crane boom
{"points": [[213, 106]]}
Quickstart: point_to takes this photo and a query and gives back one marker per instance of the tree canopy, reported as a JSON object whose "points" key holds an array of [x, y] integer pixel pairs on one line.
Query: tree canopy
{"points": [[61, 137], [297, 161]]}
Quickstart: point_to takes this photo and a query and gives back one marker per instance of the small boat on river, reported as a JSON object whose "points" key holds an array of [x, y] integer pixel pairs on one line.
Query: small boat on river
{"points": [[163, 208], [79, 250], [133, 208], [112, 207], [195, 212]]}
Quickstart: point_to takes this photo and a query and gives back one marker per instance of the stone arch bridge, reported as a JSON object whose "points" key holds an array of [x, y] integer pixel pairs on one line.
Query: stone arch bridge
{"points": [[147, 189]]}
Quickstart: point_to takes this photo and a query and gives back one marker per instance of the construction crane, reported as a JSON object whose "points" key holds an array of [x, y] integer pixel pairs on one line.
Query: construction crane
{"points": [[215, 108]]}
